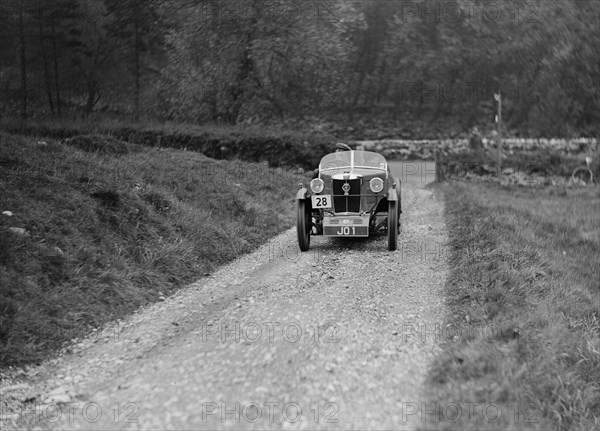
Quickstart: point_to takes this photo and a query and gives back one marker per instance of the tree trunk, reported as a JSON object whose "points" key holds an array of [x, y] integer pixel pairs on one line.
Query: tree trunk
{"points": [[55, 55], [93, 96], [383, 81], [23, 65], [245, 70], [358, 88], [46, 73], [137, 72]]}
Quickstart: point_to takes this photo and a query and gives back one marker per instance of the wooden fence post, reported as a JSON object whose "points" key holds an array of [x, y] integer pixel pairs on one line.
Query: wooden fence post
{"points": [[439, 173]]}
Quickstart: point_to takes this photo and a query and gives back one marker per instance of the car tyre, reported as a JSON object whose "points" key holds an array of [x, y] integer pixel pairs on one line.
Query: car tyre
{"points": [[303, 226], [392, 225]]}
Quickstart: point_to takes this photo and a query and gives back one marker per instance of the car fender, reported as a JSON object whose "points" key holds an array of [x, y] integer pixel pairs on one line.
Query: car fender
{"points": [[302, 194], [394, 191]]}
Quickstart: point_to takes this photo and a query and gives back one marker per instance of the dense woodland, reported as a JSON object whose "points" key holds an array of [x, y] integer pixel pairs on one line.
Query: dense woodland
{"points": [[259, 61]]}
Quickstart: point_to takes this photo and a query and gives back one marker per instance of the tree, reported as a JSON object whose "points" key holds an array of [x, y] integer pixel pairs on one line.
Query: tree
{"points": [[92, 51], [136, 27], [217, 60], [23, 62]]}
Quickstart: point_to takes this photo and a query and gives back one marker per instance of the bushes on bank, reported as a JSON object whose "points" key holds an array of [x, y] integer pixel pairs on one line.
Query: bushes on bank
{"points": [[546, 163], [278, 148]]}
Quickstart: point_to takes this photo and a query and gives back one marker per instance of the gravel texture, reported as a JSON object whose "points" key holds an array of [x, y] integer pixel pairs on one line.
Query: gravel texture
{"points": [[332, 338]]}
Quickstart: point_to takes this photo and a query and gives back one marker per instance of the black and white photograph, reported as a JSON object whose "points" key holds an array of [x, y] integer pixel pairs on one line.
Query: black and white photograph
{"points": [[300, 215]]}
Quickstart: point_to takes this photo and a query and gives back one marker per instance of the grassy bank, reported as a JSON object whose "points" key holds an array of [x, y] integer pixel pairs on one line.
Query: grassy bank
{"points": [[255, 144], [523, 336], [543, 163], [110, 226]]}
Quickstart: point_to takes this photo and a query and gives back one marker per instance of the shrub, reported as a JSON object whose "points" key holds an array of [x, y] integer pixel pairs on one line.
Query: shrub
{"points": [[278, 148]]}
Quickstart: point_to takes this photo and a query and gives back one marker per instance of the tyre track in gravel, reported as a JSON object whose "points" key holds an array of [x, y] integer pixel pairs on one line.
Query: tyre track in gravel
{"points": [[277, 339]]}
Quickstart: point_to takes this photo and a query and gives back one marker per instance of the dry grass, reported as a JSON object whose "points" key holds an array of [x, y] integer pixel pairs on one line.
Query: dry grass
{"points": [[130, 227], [525, 292]]}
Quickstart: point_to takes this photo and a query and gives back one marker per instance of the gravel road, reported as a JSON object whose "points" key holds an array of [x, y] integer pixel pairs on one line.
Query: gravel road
{"points": [[329, 339]]}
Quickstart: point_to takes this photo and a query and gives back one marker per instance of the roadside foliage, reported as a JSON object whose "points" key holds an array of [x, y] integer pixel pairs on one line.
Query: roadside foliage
{"points": [[422, 64], [96, 227]]}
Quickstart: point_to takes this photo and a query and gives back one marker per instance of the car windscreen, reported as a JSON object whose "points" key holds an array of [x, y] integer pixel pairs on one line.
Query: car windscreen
{"points": [[344, 159], [368, 159]]}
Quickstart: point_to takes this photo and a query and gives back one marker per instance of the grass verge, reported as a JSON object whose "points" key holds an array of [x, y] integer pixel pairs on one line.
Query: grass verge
{"points": [[250, 143], [110, 226], [543, 163], [521, 348]]}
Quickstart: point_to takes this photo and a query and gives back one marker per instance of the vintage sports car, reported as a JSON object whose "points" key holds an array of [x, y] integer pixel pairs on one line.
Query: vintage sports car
{"points": [[353, 194]]}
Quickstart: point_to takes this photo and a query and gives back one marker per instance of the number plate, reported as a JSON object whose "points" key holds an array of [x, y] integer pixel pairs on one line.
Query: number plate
{"points": [[321, 201], [345, 231], [346, 226]]}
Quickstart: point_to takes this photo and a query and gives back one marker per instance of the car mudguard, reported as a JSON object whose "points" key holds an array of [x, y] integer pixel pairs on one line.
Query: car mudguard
{"points": [[394, 191], [302, 194]]}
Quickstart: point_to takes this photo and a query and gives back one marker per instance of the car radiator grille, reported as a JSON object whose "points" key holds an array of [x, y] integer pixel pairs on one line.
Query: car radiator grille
{"points": [[350, 203]]}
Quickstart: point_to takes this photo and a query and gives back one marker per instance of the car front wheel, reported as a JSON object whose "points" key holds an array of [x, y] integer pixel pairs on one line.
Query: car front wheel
{"points": [[392, 225], [303, 226]]}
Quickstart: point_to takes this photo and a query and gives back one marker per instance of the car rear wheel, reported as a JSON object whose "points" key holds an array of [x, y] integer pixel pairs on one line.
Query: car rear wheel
{"points": [[303, 226], [392, 225]]}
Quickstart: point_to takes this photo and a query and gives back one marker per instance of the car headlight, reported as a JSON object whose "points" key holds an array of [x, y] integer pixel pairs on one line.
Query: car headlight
{"points": [[317, 185], [376, 185]]}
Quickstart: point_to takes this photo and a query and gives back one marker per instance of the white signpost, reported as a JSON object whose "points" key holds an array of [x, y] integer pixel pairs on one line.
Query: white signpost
{"points": [[498, 98]]}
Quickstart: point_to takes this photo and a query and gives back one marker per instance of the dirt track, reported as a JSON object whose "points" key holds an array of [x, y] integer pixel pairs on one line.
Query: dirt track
{"points": [[331, 338]]}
